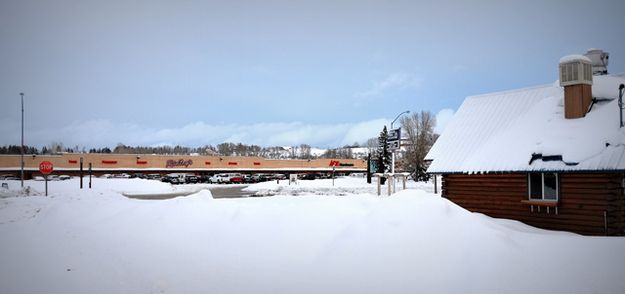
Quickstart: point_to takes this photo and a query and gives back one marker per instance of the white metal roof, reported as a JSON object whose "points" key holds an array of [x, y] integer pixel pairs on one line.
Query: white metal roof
{"points": [[500, 132]]}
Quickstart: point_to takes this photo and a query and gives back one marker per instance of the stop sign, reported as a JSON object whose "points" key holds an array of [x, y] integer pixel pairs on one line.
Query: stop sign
{"points": [[45, 167]]}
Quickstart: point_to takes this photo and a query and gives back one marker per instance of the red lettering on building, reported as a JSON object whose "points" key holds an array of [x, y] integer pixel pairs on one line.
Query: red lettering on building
{"points": [[207, 162], [109, 161], [73, 161], [256, 163], [232, 163], [334, 163], [142, 162]]}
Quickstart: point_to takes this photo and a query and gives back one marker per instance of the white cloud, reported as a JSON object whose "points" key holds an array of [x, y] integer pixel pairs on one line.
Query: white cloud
{"points": [[443, 117], [101, 133], [392, 82]]}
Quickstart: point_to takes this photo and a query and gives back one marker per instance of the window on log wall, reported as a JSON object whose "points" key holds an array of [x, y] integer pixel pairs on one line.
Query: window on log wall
{"points": [[543, 186]]}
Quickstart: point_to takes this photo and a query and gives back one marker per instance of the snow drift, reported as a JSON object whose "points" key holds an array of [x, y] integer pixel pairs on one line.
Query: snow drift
{"points": [[97, 241]]}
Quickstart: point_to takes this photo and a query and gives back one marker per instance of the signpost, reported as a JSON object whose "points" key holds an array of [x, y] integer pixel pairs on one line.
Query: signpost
{"points": [[46, 167], [81, 173], [394, 140]]}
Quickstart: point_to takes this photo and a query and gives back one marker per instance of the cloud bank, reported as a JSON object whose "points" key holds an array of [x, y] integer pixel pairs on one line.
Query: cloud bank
{"points": [[101, 133], [105, 133], [392, 82], [443, 117]]}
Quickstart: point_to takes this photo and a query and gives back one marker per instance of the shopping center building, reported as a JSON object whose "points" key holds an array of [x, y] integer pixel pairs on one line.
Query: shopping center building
{"points": [[70, 164]]}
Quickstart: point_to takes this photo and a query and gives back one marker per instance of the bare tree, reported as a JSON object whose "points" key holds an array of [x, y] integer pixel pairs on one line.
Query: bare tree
{"points": [[56, 147], [419, 130], [304, 151], [372, 145]]}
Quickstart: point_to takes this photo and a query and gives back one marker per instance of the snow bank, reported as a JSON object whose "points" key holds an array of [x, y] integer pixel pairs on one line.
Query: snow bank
{"points": [[343, 186], [97, 241]]}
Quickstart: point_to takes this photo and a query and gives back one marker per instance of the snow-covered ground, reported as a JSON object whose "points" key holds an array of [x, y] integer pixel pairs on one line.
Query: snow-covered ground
{"points": [[98, 241], [345, 186]]}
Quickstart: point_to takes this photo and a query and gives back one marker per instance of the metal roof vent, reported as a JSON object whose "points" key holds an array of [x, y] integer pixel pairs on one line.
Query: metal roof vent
{"points": [[599, 61], [575, 70]]}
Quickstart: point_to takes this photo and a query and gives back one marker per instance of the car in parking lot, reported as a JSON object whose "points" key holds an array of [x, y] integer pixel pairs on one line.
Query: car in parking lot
{"points": [[236, 178], [308, 176], [171, 179], [220, 179], [204, 178], [191, 179], [153, 177], [247, 179], [138, 175]]}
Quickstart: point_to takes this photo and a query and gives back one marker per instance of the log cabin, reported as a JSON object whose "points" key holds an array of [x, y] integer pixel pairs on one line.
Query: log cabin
{"points": [[551, 156]]}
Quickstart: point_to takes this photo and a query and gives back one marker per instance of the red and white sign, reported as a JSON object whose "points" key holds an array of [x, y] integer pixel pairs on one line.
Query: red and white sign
{"points": [[45, 167]]}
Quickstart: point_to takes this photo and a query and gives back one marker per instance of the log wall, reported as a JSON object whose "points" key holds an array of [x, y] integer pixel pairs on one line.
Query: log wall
{"points": [[589, 204]]}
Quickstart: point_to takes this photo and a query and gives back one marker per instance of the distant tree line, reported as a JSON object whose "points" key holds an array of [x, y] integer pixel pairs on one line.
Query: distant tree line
{"points": [[16, 149], [302, 151]]}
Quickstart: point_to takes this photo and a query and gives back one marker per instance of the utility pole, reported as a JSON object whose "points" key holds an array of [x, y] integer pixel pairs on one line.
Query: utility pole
{"points": [[22, 165]]}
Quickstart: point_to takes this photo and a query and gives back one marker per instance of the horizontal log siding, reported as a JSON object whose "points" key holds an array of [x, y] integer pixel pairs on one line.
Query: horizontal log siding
{"points": [[583, 200]]}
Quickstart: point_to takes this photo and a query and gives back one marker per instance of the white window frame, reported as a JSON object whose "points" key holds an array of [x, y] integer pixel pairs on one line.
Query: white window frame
{"points": [[542, 188]]}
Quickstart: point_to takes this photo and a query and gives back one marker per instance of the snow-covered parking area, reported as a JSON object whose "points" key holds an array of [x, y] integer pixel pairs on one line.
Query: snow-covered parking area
{"points": [[98, 241]]}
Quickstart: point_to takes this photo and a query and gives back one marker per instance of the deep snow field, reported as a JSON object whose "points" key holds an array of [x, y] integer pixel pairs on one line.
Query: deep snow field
{"points": [[98, 241]]}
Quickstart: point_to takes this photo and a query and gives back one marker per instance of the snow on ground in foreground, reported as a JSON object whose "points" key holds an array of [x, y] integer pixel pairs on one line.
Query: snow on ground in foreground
{"points": [[97, 241]]}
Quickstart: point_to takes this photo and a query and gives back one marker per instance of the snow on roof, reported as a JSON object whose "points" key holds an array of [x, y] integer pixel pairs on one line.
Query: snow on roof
{"points": [[574, 57], [500, 132]]}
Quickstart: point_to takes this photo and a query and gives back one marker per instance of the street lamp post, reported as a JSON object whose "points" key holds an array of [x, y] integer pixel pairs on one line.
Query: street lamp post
{"points": [[393, 153], [22, 149]]}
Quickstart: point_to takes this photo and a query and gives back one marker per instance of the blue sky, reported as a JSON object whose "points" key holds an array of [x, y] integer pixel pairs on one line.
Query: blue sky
{"points": [[97, 73]]}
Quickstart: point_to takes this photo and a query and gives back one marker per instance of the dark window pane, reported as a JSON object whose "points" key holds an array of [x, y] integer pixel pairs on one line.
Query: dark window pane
{"points": [[536, 186], [551, 182]]}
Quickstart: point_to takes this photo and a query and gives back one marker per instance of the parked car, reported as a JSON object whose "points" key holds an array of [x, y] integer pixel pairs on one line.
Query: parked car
{"points": [[257, 178], [191, 179], [279, 177], [205, 178], [248, 179], [236, 178], [308, 176], [220, 179], [122, 176], [64, 177], [138, 175], [153, 177], [171, 179]]}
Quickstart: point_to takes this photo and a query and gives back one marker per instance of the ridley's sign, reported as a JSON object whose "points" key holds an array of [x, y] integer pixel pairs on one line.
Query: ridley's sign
{"points": [[178, 163]]}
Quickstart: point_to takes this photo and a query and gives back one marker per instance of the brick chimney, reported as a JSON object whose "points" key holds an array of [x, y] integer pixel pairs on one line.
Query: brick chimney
{"points": [[576, 78]]}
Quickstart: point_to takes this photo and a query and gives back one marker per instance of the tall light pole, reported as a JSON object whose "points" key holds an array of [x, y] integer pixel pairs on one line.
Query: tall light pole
{"points": [[397, 117], [393, 153], [22, 169]]}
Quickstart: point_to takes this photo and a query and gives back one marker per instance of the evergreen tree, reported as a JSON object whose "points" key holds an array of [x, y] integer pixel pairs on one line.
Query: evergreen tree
{"points": [[384, 155]]}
